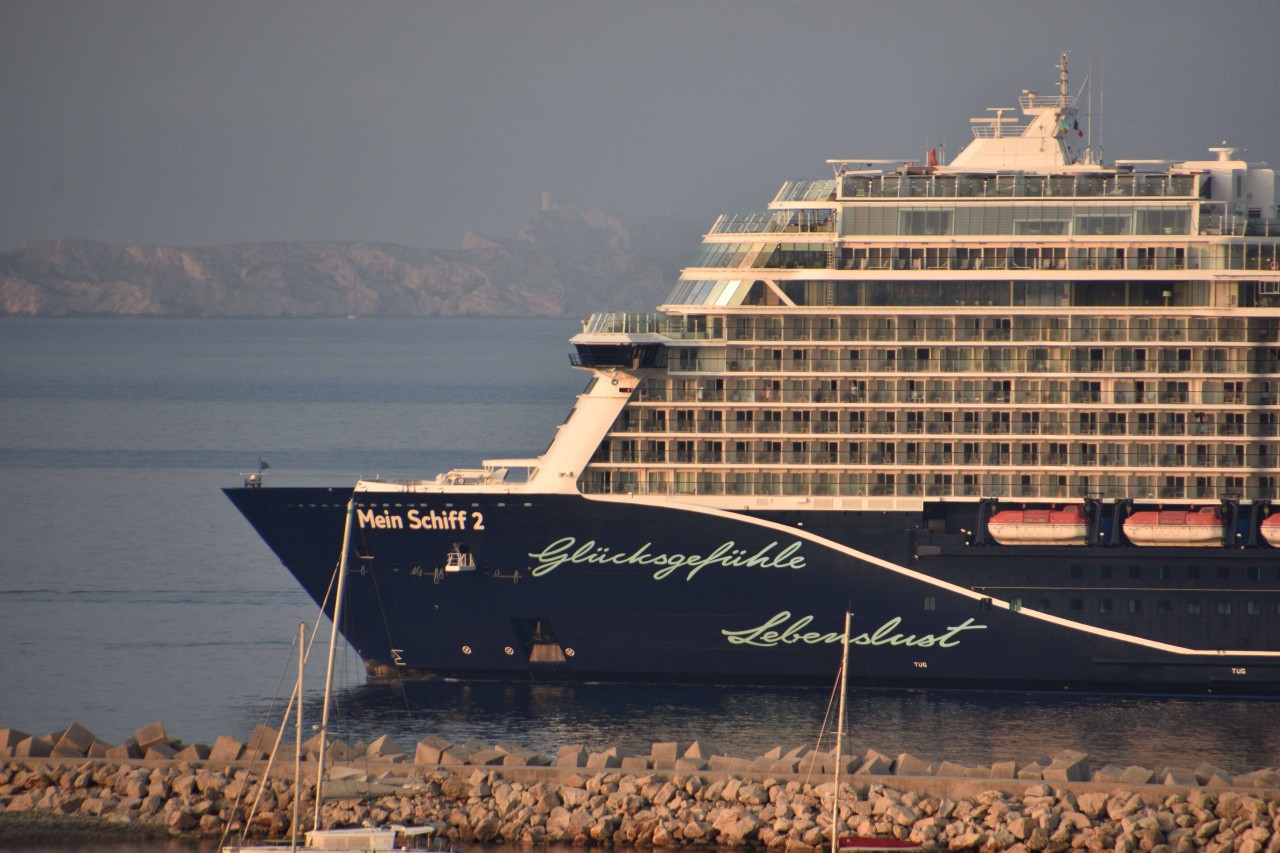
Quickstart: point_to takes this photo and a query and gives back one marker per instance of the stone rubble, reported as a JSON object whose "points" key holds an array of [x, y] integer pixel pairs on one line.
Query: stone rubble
{"points": [[677, 795]]}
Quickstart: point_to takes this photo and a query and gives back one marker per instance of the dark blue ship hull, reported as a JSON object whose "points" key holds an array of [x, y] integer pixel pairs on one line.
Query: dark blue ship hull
{"points": [[566, 587]]}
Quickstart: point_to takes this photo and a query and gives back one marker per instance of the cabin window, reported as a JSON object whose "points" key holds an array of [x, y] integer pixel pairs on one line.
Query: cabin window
{"points": [[1193, 572], [1104, 605], [1254, 573], [1135, 572], [930, 603], [1104, 571], [1077, 604], [1135, 605], [1193, 608], [1164, 606], [1252, 609], [1224, 608]]}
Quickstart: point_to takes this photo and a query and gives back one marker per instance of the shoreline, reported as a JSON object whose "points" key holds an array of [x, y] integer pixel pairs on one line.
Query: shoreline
{"points": [[558, 806], [152, 746], [39, 827]]}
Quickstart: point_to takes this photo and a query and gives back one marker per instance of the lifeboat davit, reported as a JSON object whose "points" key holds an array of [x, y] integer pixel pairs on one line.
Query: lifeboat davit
{"points": [[1271, 529], [1183, 528], [1066, 526]]}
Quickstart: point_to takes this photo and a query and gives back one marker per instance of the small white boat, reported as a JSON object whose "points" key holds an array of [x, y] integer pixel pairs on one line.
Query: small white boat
{"points": [[373, 839], [871, 844], [357, 839]]}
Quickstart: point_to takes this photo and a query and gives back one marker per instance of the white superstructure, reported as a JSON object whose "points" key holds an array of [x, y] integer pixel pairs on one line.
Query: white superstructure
{"points": [[1020, 322]]}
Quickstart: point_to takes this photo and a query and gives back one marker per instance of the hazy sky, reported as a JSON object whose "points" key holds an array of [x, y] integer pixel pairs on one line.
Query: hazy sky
{"points": [[195, 123]]}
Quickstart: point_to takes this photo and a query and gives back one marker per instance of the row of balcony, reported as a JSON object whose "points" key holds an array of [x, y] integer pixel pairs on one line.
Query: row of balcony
{"points": [[760, 257], [948, 427], [856, 392], [989, 457], [990, 260], [1030, 486], [906, 328], [1129, 185], [1252, 362], [999, 329]]}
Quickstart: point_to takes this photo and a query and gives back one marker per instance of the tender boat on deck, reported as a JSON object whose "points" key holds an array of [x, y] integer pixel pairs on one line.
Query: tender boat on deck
{"points": [[1066, 526], [1184, 528], [1271, 530]]}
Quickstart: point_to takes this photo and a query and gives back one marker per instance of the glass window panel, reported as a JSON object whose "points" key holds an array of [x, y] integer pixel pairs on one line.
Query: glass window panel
{"points": [[922, 221], [730, 295]]}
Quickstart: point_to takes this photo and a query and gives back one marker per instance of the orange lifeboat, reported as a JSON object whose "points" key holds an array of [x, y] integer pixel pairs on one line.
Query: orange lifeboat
{"points": [[1183, 528], [1066, 526], [1271, 529]]}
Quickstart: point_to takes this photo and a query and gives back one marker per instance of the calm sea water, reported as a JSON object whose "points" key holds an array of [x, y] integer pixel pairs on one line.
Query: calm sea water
{"points": [[131, 591]]}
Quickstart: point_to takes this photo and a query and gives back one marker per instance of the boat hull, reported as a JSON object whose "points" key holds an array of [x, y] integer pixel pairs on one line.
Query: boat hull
{"points": [[569, 588]]}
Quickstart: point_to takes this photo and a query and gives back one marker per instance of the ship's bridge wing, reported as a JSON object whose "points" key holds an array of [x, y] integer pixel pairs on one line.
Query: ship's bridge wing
{"points": [[619, 339]]}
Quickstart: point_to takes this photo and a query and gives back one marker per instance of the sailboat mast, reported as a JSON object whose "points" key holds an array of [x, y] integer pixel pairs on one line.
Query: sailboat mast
{"points": [[333, 645], [297, 750], [835, 797]]}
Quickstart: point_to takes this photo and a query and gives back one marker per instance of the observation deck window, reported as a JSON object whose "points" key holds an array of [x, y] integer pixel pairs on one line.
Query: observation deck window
{"points": [[807, 190], [1123, 185]]}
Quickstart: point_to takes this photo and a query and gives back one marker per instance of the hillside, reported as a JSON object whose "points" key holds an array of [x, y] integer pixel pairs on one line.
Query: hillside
{"points": [[563, 263]]}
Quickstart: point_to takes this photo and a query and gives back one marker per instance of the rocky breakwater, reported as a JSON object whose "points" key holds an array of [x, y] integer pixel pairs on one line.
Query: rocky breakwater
{"points": [[671, 797]]}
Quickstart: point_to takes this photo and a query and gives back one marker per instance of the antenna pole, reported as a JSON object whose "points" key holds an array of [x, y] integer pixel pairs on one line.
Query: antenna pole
{"points": [[1102, 94]]}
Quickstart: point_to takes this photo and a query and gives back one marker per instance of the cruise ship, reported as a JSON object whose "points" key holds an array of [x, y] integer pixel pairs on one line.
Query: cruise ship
{"points": [[1016, 412]]}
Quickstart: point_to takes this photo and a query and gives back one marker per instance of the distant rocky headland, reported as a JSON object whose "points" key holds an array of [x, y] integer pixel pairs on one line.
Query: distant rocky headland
{"points": [[563, 263]]}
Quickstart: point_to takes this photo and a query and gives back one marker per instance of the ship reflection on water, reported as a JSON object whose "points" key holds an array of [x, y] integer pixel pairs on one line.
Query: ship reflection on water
{"points": [[974, 728]]}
